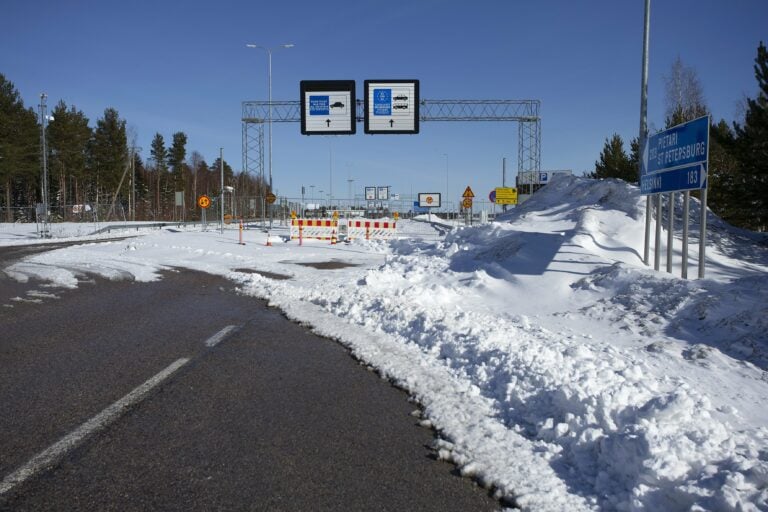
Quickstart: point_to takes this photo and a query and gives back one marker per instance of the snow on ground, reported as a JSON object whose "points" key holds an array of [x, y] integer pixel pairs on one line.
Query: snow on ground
{"points": [[556, 368]]}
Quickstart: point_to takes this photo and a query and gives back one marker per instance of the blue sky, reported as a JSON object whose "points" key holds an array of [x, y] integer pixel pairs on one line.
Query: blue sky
{"points": [[183, 66]]}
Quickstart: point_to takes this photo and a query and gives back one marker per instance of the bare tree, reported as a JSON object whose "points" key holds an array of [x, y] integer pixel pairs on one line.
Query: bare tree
{"points": [[684, 95]]}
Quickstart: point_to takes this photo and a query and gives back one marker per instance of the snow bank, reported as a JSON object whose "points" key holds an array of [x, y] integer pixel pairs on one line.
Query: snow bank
{"points": [[556, 368]]}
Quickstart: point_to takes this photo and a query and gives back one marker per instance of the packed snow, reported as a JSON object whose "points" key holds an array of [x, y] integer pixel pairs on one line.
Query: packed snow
{"points": [[555, 367]]}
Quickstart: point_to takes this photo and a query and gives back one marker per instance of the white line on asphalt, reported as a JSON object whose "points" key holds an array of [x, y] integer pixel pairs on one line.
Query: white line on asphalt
{"points": [[52, 454], [216, 338]]}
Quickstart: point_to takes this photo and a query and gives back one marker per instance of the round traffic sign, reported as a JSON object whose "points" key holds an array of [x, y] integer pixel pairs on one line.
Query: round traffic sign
{"points": [[429, 199], [227, 219], [492, 196], [203, 201], [467, 202]]}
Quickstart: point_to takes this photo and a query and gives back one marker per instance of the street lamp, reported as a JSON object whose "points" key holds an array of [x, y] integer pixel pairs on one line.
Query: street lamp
{"points": [[269, 75], [44, 118]]}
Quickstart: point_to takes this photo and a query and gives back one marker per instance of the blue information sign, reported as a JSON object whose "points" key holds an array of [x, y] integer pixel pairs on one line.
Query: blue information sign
{"points": [[319, 105], [382, 102], [676, 159]]}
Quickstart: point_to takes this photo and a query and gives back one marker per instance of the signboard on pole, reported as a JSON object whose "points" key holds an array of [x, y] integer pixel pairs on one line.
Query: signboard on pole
{"points": [[370, 193], [429, 199], [328, 107], [505, 195], [391, 106], [676, 159], [204, 201]]}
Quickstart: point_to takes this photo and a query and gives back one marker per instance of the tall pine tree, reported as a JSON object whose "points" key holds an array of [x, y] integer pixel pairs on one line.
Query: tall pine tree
{"points": [[614, 162], [109, 155], [176, 157], [159, 154], [68, 136], [752, 148], [19, 150]]}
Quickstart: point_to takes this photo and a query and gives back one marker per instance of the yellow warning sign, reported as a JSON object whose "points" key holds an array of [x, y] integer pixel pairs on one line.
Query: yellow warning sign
{"points": [[506, 195], [468, 192]]}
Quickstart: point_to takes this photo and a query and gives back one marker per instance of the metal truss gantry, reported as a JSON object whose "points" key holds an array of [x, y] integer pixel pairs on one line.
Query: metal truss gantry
{"points": [[524, 112], [253, 148]]}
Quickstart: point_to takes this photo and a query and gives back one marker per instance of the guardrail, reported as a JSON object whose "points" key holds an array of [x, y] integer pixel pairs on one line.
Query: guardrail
{"points": [[150, 225]]}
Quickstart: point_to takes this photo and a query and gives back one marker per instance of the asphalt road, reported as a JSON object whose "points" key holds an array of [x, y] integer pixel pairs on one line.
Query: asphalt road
{"points": [[257, 414]]}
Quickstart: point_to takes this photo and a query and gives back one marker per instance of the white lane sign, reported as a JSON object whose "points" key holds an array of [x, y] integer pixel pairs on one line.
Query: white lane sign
{"points": [[328, 107], [392, 106]]}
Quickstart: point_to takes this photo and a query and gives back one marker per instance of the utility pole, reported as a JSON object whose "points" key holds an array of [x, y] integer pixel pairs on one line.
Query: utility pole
{"points": [[644, 135], [132, 197], [504, 178], [351, 198], [45, 229], [221, 199]]}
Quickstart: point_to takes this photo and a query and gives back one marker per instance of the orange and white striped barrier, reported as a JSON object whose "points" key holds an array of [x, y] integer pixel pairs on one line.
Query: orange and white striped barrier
{"points": [[326, 229], [318, 229], [371, 229]]}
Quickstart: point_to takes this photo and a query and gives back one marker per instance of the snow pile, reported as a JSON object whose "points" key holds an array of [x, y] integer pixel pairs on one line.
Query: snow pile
{"points": [[582, 352], [556, 368]]}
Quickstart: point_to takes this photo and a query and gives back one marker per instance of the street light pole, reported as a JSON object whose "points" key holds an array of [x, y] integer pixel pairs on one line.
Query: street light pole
{"points": [[446, 182], [44, 232], [221, 199], [269, 79]]}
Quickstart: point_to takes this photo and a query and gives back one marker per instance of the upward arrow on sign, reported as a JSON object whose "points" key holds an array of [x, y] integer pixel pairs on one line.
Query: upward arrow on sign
{"points": [[468, 193]]}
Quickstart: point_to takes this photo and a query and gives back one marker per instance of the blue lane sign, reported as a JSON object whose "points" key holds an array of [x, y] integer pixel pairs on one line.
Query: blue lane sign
{"points": [[382, 102], [676, 159], [319, 105]]}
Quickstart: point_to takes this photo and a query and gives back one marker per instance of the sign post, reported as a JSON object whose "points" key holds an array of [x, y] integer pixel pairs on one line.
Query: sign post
{"points": [[204, 202], [429, 200], [466, 203], [505, 195], [676, 160]]}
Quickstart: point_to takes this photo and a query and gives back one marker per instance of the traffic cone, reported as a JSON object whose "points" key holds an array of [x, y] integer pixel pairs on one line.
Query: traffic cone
{"points": [[269, 243], [333, 237]]}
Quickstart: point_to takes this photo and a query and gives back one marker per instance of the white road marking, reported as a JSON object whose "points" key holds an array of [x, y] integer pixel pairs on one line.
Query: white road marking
{"points": [[216, 338], [52, 454]]}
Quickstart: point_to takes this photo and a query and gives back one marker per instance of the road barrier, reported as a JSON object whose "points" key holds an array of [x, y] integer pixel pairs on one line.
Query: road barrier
{"points": [[318, 229], [371, 229], [349, 229]]}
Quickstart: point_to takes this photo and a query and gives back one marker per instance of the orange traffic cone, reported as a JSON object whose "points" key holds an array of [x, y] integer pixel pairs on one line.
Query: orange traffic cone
{"points": [[333, 237]]}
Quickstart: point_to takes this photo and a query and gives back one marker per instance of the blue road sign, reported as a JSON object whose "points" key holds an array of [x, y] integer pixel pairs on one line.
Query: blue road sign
{"points": [[419, 209], [382, 102], [319, 105], [676, 159]]}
